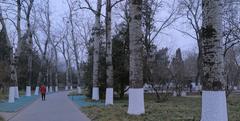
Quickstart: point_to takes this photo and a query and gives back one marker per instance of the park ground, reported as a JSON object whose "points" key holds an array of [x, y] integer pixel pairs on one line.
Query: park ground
{"points": [[175, 109], [56, 107]]}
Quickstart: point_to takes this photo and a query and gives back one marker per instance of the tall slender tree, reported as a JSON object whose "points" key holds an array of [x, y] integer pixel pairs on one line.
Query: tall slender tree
{"points": [[75, 44], [96, 44], [19, 45], [30, 46], [136, 93], [214, 106], [109, 90], [49, 38], [109, 70], [45, 25]]}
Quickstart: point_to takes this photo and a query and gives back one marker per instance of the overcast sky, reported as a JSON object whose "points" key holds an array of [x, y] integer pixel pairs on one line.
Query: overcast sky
{"points": [[172, 38]]}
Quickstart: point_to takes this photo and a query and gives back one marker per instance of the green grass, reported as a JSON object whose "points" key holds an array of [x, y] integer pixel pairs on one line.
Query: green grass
{"points": [[73, 93], [3, 97], [175, 109]]}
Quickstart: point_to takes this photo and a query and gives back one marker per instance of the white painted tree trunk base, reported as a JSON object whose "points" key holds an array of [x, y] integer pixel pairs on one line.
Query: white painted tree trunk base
{"points": [[71, 88], [136, 101], [79, 90], [199, 88], [50, 89], [214, 106], [16, 94], [56, 88], [95, 93], [36, 91], [109, 96], [28, 91], [11, 95], [47, 89], [183, 94], [174, 94], [235, 88], [66, 88]]}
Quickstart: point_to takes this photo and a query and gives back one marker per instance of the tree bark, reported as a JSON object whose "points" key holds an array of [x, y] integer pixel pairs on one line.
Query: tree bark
{"points": [[30, 42], [109, 70], [136, 45], [136, 92], [19, 42], [75, 47], [97, 37], [214, 106], [212, 52], [109, 44]]}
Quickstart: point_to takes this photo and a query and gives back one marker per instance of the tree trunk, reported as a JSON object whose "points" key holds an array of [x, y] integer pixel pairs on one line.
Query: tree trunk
{"points": [[50, 77], [18, 49], [212, 55], [109, 90], [65, 52], [97, 37], [136, 93], [49, 39], [30, 48], [75, 54], [69, 68], [214, 106], [56, 68], [55, 55]]}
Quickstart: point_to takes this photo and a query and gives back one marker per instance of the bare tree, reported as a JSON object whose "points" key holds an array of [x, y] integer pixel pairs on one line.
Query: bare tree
{"points": [[96, 45], [19, 45], [232, 70], [109, 71], [231, 26], [74, 43], [192, 11], [27, 11], [44, 26], [64, 48], [54, 45], [65, 52]]}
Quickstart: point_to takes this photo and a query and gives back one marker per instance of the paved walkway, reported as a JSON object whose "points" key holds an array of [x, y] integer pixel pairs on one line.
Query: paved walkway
{"points": [[57, 107]]}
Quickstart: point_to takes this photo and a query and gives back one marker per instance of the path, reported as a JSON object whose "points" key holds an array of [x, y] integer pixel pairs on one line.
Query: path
{"points": [[57, 107]]}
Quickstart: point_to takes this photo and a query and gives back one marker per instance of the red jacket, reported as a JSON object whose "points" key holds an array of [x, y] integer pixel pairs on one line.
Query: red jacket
{"points": [[43, 89]]}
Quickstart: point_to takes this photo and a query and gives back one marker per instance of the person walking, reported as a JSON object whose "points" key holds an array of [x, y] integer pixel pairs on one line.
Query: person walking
{"points": [[43, 92]]}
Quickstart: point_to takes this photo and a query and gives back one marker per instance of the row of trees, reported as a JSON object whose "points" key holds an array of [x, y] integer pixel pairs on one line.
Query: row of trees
{"points": [[32, 58], [210, 60], [116, 59]]}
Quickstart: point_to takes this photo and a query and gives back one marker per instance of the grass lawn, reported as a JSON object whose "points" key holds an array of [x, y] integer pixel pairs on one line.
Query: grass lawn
{"points": [[175, 109], [2, 97]]}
